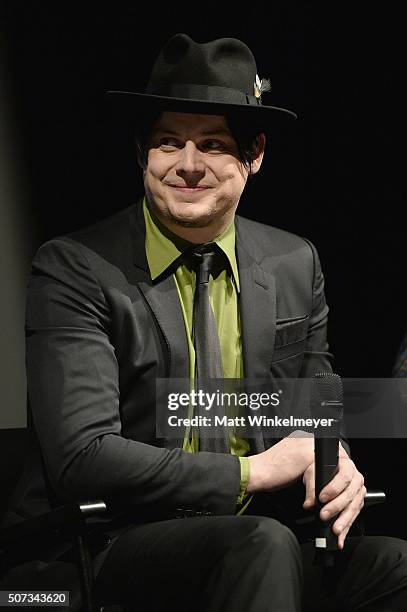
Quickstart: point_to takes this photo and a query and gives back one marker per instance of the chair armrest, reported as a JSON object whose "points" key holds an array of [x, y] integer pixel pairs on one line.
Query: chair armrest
{"points": [[374, 496], [18, 543], [70, 519]]}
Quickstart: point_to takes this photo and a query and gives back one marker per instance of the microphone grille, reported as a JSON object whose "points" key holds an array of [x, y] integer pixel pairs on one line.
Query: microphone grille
{"points": [[327, 387]]}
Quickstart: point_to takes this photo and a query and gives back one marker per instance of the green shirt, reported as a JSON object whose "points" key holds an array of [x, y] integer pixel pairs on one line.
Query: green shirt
{"points": [[162, 248]]}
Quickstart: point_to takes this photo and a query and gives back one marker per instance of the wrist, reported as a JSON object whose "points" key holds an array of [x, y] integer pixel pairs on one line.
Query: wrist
{"points": [[254, 482]]}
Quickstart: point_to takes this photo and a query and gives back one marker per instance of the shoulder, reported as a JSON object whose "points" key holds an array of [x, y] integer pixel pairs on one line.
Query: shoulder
{"points": [[268, 242], [108, 239]]}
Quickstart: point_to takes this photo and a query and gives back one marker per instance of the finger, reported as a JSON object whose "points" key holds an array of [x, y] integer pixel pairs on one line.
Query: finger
{"points": [[309, 482], [351, 498], [346, 518], [342, 537], [342, 451], [341, 481]]}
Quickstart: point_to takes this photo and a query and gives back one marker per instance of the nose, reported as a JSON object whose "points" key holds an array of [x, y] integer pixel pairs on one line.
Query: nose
{"points": [[190, 163]]}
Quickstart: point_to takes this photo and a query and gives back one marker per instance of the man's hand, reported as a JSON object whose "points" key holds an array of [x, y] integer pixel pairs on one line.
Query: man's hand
{"points": [[343, 496], [293, 458], [282, 464]]}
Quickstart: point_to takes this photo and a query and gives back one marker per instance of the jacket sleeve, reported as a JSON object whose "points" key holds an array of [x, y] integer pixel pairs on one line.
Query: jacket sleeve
{"points": [[74, 397]]}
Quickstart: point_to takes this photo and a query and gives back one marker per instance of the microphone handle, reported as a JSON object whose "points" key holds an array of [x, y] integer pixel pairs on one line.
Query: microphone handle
{"points": [[326, 466]]}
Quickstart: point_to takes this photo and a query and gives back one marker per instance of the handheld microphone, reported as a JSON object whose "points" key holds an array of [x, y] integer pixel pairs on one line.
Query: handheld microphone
{"points": [[327, 401]]}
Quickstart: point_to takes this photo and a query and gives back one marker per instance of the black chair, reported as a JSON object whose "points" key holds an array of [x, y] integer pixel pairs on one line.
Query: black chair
{"points": [[20, 544]]}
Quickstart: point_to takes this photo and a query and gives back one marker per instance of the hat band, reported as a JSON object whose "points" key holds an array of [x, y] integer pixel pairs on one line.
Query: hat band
{"points": [[204, 93]]}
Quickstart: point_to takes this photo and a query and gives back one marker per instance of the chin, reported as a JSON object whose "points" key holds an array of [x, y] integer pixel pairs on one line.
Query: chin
{"points": [[193, 223], [197, 215], [199, 221]]}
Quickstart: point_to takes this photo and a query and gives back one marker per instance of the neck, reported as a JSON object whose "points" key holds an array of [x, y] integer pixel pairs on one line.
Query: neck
{"points": [[196, 235]]}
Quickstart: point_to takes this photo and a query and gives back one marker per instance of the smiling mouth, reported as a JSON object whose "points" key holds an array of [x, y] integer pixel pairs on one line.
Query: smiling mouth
{"points": [[190, 189]]}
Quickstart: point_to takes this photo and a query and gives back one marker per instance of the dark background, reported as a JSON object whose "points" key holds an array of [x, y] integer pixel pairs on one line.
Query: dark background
{"points": [[335, 177]]}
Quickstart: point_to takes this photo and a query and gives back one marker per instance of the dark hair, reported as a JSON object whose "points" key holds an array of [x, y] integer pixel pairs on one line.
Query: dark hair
{"points": [[246, 137]]}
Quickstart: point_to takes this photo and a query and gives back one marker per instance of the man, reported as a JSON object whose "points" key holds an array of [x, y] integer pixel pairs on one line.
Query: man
{"points": [[111, 309]]}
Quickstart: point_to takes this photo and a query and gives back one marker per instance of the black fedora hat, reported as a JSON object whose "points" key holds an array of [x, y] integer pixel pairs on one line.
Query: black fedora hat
{"points": [[217, 77]]}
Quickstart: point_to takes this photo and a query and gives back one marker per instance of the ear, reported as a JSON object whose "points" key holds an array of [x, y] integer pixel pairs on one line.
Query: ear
{"points": [[140, 156], [259, 153]]}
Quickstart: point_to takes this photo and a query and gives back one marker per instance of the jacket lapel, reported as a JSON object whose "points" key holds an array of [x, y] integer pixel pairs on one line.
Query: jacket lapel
{"points": [[163, 300], [162, 297], [257, 306]]}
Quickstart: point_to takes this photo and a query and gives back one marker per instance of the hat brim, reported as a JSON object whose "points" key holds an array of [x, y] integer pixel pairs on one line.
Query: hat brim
{"points": [[261, 116]]}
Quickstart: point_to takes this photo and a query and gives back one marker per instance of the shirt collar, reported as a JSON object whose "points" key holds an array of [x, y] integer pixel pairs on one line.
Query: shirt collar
{"points": [[163, 247]]}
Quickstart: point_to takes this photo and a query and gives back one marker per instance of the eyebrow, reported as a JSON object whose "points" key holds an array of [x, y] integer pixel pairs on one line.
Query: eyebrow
{"points": [[220, 132]]}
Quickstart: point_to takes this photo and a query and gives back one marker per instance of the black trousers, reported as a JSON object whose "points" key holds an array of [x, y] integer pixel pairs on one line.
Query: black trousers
{"points": [[247, 564]]}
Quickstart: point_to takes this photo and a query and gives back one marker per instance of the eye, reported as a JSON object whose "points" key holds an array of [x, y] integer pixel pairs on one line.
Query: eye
{"points": [[168, 143], [214, 145]]}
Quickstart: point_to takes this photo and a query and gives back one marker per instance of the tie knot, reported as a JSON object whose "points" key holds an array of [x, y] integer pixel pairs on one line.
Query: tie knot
{"points": [[207, 259]]}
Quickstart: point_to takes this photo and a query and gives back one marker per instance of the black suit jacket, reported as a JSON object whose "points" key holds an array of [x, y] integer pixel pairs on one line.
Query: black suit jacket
{"points": [[99, 332]]}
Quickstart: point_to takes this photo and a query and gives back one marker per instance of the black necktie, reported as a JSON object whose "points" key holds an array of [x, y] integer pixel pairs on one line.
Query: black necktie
{"points": [[208, 259], [207, 345]]}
